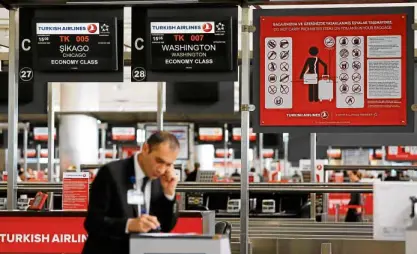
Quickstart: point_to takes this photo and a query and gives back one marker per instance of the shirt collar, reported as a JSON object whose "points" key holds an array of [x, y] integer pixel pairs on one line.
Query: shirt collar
{"points": [[139, 174]]}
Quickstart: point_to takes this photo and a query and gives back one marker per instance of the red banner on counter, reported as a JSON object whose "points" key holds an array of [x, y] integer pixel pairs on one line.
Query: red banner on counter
{"points": [[63, 235], [347, 70], [75, 191]]}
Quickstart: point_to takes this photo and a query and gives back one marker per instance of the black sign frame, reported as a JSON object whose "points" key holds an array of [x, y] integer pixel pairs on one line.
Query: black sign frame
{"points": [[113, 39], [140, 64], [227, 56], [26, 46]]}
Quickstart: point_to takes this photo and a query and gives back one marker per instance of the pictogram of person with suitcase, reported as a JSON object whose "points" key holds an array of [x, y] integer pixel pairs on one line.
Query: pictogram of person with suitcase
{"points": [[318, 89]]}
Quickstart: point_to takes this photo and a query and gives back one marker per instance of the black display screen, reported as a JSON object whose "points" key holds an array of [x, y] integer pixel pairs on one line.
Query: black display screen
{"points": [[76, 46], [191, 45]]}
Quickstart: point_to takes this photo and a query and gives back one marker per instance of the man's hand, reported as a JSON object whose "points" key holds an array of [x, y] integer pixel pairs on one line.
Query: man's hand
{"points": [[169, 182], [143, 224]]}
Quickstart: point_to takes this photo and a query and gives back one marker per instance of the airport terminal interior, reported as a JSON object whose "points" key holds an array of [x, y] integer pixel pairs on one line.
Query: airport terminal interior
{"points": [[295, 121]]}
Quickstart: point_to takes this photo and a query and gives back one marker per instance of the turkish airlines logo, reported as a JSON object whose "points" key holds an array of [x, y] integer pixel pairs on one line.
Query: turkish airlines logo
{"points": [[92, 28], [207, 27]]}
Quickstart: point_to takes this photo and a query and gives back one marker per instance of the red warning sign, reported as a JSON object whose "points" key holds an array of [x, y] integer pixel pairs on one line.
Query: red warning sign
{"points": [[333, 70]]}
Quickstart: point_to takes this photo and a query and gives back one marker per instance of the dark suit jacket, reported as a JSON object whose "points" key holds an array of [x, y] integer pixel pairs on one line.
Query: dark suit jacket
{"points": [[108, 210]]}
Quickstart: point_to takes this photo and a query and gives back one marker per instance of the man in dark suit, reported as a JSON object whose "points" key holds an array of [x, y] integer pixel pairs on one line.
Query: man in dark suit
{"points": [[151, 173]]}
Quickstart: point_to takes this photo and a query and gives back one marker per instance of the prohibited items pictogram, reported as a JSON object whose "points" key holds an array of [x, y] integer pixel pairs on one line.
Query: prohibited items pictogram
{"points": [[272, 44], [344, 53], [284, 89], [272, 55], [344, 65], [356, 52], [356, 88], [272, 89], [356, 77], [284, 54], [284, 44], [356, 41], [284, 78], [272, 67], [344, 88], [278, 101], [272, 78], [284, 66], [344, 77], [329, 41], [356, 65], [350, 100], [343, 41]]}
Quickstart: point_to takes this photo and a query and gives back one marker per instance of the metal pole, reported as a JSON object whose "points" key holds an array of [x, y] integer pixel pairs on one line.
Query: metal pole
{"points": [[25, 147], [51, 141], [261, 152], [245, 107], [225, 149], [286, 139], [384, 153], [13, 111], [313, 155], [103, 143], [160, 112], [114, 152], [191, 145]]}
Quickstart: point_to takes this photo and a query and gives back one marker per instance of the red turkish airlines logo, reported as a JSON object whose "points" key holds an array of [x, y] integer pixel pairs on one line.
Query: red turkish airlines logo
{"points": [[92, 28], [207, 27]]}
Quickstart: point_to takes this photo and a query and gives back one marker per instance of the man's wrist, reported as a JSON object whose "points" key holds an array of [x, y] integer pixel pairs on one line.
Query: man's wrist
{"points": [[127, 226], [169, 196]]}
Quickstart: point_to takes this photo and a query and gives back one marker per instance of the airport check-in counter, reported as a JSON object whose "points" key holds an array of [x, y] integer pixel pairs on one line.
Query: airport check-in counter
{"points": [[284, 235], [63, 231]]}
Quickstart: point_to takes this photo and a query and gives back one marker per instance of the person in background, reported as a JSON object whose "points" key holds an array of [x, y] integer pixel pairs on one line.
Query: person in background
{"points": [[354, 214], [21, 176], [391, 175], [30, 174], [192, 177], [257, 177], [296, 178], [236, 176], [186, 173], [265, 175]]}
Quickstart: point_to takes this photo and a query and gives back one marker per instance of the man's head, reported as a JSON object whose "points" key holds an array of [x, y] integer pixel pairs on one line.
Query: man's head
{"points": [[196, 166], [159, 154]]}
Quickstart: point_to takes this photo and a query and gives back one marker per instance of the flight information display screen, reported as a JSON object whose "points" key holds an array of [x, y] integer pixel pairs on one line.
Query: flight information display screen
{"points": [[191, 45], [76, 46]]}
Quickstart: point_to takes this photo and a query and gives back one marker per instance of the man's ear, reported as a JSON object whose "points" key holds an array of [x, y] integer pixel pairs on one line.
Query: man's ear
{"points": [[145, 148]]}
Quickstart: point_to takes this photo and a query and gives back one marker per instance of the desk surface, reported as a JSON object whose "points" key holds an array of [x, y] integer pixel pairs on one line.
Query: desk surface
{"points": [[177, 236], [18, 213]]}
